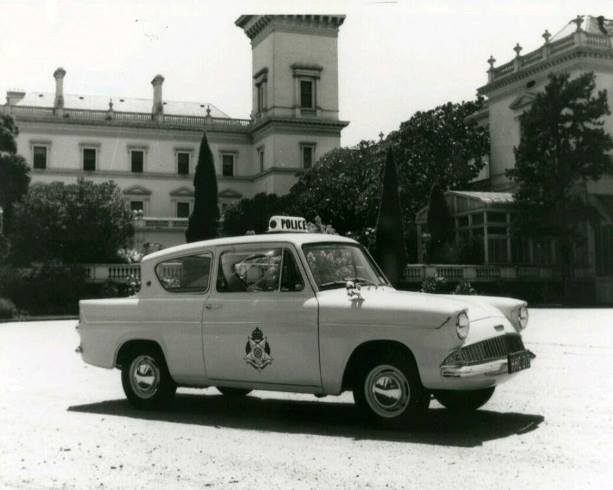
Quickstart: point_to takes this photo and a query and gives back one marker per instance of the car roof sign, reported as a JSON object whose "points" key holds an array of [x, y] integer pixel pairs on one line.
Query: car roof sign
{"points": [[286, 224]]}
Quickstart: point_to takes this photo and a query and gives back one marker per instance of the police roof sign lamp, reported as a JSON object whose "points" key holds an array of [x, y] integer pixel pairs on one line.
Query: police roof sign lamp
{"points": [[287, 224]]}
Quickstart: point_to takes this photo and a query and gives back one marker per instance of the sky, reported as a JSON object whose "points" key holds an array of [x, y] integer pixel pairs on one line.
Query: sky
{"points": [[395, 57]]}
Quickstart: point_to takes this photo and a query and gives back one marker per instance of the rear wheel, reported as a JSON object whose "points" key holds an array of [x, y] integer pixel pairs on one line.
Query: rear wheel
{"points": [[236, 392], [388, 391], [464, 401], [146, 380]]}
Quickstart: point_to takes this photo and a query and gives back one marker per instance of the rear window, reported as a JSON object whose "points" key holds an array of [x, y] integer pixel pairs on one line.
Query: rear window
{"points": [[189, 274]]}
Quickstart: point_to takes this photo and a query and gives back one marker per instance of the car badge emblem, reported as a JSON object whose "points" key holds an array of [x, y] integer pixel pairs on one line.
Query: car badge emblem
{"points": [[257, 350]]}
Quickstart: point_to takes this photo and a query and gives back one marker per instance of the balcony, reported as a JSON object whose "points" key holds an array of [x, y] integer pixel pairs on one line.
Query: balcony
{"points": [[151, 223]]}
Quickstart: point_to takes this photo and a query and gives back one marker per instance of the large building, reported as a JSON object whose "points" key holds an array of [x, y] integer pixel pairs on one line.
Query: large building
{"points": [[483, 214], [149, 147]]}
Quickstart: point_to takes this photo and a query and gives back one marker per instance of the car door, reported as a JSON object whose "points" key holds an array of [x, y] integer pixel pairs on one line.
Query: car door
{"points": [[260, 321], [175, 314]]}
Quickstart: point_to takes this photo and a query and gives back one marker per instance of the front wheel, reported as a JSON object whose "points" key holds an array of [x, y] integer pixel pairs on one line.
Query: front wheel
{"points": [[464, 401], [146, 380], [389, 392]]}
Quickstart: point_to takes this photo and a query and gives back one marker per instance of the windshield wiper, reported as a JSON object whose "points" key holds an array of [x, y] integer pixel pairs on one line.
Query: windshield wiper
{"points": [[326, 285], [361, 280]]}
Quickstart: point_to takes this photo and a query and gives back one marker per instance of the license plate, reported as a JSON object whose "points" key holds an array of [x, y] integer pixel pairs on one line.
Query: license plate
{"points": [[518, 361]]}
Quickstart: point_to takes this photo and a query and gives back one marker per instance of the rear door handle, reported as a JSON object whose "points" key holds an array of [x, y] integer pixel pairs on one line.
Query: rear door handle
{"points": [[213, 306]]}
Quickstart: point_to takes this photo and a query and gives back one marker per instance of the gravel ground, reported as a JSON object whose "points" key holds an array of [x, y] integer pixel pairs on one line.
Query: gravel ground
{"points": [[64, 424]]}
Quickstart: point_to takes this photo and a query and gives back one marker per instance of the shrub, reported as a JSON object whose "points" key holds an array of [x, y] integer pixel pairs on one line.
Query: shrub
{"points": [[48, 290], [7, 309], [464, 287], [434, 284]]}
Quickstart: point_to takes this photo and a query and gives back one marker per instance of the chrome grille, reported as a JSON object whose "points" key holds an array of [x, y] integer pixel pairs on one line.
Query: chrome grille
{"points": [[493, 348]]}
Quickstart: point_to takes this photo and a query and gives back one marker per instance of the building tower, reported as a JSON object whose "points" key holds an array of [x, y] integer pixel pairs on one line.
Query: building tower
{"points": [[295, 94]]}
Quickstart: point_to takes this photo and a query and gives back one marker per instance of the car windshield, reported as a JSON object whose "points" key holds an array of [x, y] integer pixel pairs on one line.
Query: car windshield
{"points": [[333, 264]]}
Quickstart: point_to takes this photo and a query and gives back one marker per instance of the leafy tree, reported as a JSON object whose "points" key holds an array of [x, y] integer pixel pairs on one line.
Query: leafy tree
{"points": [[390, 250], [70, 223], [440, 225], [433, 147], [253, 214], [14, 171], [342, 188], [563, 145], [438, 147], [204, 221]]}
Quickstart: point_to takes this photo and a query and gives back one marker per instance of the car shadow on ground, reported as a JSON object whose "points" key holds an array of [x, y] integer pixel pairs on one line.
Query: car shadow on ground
{"points": [[439, 426]]}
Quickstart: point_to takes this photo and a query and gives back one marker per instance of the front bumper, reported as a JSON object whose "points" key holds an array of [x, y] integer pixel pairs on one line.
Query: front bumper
{"points": [[494, 367]]}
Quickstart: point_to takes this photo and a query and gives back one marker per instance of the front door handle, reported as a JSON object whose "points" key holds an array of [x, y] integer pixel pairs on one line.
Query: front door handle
{"points": [[213, 306]]}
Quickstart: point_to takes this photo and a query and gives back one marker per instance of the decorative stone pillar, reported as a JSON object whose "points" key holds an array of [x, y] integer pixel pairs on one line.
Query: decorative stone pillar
{"points": [[517, 60], [490, 72], [547, 46], [579, 36]]}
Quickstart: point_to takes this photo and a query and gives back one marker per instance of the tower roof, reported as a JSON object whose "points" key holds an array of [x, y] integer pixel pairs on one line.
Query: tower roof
{"points": [[254, 24]]}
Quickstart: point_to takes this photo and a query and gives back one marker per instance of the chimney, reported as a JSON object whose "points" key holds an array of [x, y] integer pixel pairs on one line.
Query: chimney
{"points": [[158, 103], [58, 105], [14, 96]]}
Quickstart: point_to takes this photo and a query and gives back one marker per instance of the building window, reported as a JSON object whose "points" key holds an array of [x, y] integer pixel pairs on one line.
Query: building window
{"points": [[308, 155], [137, 206], [306, 94], [183, 163], [89, 159], [261, 158], [259, 80], [137, 158], [261, 94], [182, 210], [227, 164], [39, 159]]}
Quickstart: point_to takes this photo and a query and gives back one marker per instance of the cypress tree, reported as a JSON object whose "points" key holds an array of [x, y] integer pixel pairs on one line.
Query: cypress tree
{"points": [[203, 222], [440, 224], [390, 251]]}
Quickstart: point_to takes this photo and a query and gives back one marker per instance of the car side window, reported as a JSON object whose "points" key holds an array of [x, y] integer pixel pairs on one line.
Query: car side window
{"points": [[189, 274], [249, 270], [291, 279]]}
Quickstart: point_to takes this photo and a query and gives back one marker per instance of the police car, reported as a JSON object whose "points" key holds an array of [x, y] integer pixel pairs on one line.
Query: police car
{"points": [[302, 312]]}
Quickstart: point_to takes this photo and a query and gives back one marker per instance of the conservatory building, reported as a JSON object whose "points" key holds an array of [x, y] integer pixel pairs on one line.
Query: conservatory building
{"points": [[483, 214]]}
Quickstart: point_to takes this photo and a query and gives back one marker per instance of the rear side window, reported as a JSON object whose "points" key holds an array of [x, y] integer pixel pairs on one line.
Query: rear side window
{"points": [[189, 274]]}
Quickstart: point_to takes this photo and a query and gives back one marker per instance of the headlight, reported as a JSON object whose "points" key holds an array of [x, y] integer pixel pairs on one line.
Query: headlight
{"points": [[522, 317], [462, 325]]}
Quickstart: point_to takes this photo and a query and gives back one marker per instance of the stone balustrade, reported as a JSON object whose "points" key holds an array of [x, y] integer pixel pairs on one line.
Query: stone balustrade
{"points": [[547, 50], [119, 118], [414, 272], [488, 273]]}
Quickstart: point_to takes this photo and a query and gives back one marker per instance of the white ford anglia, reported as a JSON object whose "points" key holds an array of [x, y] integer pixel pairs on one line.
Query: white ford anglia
{"points": [[300, 312]]}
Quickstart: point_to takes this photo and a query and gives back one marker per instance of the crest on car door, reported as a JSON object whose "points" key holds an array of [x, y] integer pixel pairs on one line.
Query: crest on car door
{"points": [[257, 350]]}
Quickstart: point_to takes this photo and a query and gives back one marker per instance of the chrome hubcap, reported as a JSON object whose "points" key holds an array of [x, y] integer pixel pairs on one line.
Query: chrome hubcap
{"points": [[144, 376], [387, 391]]}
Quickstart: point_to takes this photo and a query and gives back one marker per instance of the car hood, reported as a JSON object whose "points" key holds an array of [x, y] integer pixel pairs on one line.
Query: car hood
{"points": [[387, 299]]}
